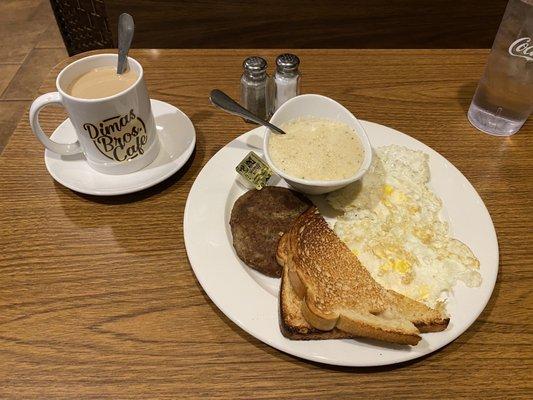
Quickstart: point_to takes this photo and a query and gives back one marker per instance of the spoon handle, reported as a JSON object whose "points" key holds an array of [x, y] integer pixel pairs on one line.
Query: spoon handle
{"points": [[223, 101], [125, 36]]}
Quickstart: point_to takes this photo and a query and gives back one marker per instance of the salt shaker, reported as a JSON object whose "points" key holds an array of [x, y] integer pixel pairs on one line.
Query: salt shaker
{"points": [[287, 78], [255, 87]]}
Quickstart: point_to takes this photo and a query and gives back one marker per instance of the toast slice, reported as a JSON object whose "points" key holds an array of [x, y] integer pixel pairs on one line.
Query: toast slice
{"points": [[327, 294], [292, 322]]}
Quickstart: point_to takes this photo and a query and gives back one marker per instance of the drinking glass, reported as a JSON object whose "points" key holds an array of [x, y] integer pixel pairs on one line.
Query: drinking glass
{"points": [[504, 96]]}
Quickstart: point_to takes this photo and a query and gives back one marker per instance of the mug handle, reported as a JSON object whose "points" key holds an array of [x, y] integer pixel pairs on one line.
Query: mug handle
{"points": [[38, 104]]}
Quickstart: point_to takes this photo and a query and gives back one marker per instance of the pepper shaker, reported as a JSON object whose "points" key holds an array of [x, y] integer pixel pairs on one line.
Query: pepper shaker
{"points": [[287, 78], [256, 88]]}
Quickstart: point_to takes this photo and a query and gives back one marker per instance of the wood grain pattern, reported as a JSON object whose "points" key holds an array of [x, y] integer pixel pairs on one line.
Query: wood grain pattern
{"points": [[97, 298], [10, 114], [310, 24]]}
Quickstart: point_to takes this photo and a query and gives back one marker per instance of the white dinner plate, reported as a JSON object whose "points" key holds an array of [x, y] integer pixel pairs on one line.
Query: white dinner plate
{"points": [[177, 138], [250, 299]]}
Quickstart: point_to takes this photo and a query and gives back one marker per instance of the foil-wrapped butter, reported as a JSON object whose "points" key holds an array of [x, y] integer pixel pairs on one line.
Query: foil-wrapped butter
{"points": [[254, 173]]}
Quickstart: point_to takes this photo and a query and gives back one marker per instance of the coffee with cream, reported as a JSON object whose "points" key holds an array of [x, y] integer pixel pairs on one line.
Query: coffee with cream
{"points": [[111, 115], [101, 82]]}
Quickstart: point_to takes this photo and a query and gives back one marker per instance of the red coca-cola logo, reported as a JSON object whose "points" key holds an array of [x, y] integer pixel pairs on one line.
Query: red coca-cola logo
{"points": [[522, 48]]}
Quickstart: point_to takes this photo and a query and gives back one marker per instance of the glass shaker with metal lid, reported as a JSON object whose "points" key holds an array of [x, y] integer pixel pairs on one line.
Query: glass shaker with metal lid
{"points": [[255, 88], [287, 78]]}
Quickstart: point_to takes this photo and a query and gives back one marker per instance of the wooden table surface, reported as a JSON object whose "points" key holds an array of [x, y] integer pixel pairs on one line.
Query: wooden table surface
{"points": [[97, 298]]}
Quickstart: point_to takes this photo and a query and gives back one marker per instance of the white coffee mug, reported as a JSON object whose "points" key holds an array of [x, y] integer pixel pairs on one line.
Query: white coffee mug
{"points": [[117, 134]]}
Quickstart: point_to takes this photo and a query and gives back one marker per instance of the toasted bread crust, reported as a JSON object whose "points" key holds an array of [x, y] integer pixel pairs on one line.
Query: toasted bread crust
{"points": [[424, 318], [293, 325], [301, 322], [363, 329]]}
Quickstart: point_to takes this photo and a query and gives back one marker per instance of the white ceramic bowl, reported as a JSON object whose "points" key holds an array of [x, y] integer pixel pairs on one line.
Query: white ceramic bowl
{"points": [[323, 107]]}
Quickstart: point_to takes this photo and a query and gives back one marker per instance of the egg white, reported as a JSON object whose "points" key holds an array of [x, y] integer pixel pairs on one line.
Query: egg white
{"points": [[391, 222]]}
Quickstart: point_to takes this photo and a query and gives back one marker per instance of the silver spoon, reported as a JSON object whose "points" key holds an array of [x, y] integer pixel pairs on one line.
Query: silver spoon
{"points": [[226, 103], [125, 36]]}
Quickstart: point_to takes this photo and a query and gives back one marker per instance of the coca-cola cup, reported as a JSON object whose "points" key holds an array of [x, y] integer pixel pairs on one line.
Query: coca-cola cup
{"points": [[504, 96]]}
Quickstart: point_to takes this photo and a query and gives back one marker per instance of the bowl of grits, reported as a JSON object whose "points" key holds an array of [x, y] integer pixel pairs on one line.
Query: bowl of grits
{"points": [[324, 149]]}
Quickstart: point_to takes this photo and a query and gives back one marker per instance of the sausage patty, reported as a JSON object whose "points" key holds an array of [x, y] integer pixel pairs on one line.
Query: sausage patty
{"points": [[258, 219]]}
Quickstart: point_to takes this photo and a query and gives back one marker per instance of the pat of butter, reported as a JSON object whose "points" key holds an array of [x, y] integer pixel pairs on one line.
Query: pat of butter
{"points": [[254, 172]]}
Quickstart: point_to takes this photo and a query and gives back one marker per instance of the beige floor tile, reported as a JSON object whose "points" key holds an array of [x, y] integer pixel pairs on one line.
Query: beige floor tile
{"points": [[51, 37], [10, 114], [22, 24], [7, 72], [28, 78], [16, 43], [19, 10]]}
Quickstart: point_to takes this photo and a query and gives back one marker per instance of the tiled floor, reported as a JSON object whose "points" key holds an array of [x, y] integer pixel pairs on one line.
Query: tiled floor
{"points": [[30, 45]]}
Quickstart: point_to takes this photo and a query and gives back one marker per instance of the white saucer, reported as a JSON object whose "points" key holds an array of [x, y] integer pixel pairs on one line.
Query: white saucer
{"points": [[176, 135]]}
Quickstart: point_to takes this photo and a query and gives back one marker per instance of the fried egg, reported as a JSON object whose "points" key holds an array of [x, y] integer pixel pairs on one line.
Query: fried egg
{"points": [[391, 221]]}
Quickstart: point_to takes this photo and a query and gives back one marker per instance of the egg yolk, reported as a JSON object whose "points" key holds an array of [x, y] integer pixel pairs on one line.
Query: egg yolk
{"points": [[423, 292], [400, 266]]}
